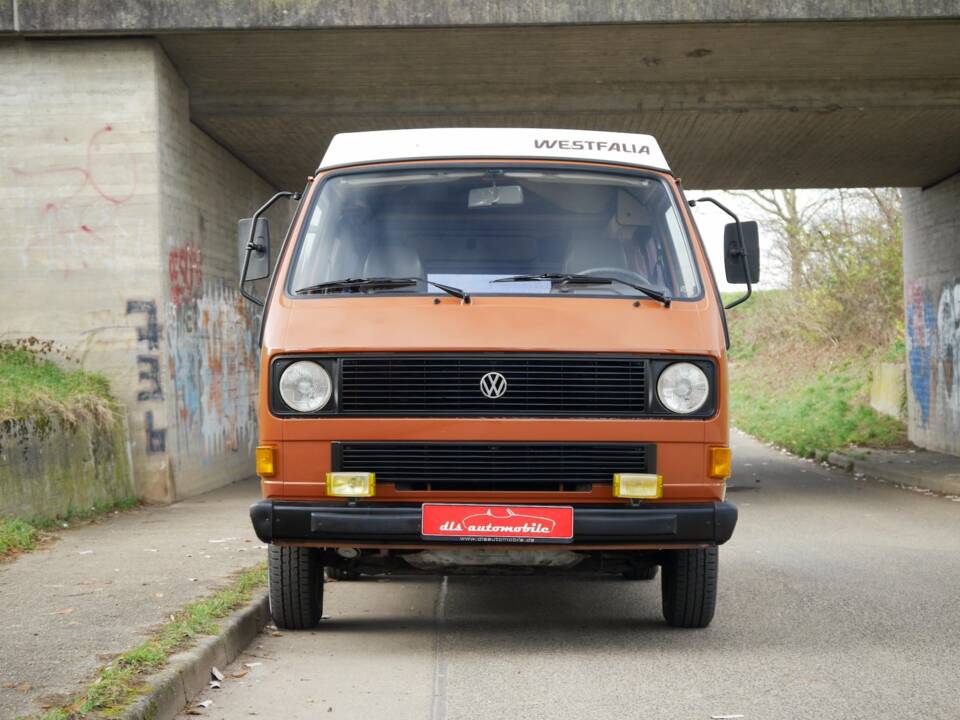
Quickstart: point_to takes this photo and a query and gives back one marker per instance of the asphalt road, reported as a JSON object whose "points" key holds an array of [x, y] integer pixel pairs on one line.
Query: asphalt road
{"points": [[839, 598]]}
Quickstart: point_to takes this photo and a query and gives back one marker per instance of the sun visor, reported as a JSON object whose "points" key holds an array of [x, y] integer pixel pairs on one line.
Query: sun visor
{"points": [[631, 211], [573, 197]]}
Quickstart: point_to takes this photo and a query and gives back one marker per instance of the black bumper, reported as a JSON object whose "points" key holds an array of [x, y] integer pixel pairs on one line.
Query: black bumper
{"points": [[710, 523]]}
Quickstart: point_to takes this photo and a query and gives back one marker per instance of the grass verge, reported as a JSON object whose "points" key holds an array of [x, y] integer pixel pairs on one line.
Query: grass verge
{"points": [[32, 386], [791, 388], [805, 410], [19, 535], [118, 684]]}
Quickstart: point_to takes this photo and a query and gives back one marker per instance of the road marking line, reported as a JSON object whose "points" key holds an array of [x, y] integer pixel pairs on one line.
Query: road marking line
{"points": [[438, 710]]}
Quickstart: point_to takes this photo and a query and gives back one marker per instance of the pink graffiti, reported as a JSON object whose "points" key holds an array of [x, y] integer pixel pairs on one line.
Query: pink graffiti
{"points": [[88, 189]]}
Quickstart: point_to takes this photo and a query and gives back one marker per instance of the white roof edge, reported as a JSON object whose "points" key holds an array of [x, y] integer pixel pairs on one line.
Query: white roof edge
{"points": [[503, 143]]}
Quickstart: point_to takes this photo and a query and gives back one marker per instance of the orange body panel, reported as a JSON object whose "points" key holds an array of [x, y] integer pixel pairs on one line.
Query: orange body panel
{"points": [[528, 323]]}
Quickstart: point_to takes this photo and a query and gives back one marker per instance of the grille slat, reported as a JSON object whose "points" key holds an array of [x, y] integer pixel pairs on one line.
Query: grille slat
{"points": [[485, 466], [544, 386]]}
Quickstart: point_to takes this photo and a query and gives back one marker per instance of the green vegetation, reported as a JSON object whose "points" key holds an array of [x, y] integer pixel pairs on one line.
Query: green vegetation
{"points": [[34, 387], [809, 407], [803, 394], [18, 535], [121, 682], [41, 394], [801, 357]]}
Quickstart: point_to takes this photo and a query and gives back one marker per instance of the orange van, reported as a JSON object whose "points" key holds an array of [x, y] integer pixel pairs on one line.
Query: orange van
{"points": [[492, 350]]}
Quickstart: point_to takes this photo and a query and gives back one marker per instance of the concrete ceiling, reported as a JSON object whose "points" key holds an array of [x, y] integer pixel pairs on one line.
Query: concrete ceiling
{"points": [[735, 105], [59, 17], [741, 93]]}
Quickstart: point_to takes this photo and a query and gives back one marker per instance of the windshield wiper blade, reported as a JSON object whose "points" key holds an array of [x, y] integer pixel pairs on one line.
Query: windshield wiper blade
{"points": [[355, 284], [379, 283], [579, 279]]}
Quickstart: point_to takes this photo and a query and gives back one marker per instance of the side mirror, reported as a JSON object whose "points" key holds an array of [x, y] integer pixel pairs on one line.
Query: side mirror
{"points": [[732, 257], [258, 266], [255, 247]]}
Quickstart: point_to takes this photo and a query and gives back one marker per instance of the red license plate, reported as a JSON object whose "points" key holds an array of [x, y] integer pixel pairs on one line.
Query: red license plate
{"points": [[498, 523]]}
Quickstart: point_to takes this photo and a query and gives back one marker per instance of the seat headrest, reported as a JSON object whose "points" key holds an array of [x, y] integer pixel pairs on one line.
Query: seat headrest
{"points": [[393, 259]]}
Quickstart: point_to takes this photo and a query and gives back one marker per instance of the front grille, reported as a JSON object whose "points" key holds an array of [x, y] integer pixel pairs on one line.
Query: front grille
{"points": [[494, 466], [537, 385]]}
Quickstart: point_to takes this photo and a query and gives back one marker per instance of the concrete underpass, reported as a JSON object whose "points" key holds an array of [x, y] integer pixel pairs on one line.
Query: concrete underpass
{"points": [[133, 137]]}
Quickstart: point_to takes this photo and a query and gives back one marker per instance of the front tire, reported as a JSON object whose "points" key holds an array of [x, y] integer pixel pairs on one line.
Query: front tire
{"points": [[296, 587], [689, 587]]}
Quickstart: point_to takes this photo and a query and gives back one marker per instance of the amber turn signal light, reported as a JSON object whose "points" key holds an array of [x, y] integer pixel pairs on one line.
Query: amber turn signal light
{"points": [[720, 460], [266, 461]]}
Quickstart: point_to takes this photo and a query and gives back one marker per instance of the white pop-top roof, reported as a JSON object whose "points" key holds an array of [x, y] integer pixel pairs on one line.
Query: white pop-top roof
{"points": [[506, 143]]}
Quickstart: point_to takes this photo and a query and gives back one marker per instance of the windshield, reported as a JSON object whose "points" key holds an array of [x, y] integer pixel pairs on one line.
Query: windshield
{"points": [[475, 229]]}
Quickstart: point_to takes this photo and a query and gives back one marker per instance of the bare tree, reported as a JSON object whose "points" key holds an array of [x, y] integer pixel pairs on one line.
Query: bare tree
{"points": [[842, 250], [790, 222]]}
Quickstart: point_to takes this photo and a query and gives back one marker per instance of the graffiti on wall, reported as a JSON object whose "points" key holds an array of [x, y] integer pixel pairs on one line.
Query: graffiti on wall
{"points": [[211, 342], [82, 214], [185, 266], [150, 388], [933, 351]]}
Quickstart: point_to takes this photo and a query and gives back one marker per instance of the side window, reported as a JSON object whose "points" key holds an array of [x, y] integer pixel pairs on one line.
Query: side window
{"points": [[688, 279]]}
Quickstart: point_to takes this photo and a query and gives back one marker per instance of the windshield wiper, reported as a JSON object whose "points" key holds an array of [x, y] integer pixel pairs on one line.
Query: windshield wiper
{"points": [[577, 279], [378, 283]]}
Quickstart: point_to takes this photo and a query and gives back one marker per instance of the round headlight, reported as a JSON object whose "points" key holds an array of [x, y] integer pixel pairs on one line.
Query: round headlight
{"points": [[305, 386], [683, 388]]}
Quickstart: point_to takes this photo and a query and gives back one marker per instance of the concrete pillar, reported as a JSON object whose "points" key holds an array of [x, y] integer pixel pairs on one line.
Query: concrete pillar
{"points": [[118, 243], [211, 341], [931, 263]]}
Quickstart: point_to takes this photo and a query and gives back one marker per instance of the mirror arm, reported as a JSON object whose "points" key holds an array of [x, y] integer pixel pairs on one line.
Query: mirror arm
{"points": [[251, 245], [741, 251]]}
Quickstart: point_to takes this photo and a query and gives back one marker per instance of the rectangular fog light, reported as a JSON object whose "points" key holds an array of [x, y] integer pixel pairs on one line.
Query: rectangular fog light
{"points": [[637, 485], [351, 484]]}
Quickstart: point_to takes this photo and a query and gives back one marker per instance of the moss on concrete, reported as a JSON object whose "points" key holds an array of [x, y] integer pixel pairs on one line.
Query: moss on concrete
{"points": [[57, 469], [63, 445]]}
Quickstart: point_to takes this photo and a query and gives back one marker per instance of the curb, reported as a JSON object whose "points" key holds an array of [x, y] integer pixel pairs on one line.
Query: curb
{"points": [[946, 484], [188, 672]]}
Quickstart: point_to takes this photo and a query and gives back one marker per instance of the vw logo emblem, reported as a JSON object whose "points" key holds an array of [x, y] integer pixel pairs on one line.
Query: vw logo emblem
{"points": [[493, 385]]}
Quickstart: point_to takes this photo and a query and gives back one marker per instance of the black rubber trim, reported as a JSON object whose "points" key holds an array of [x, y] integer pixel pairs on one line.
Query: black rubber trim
{"points": [[700, 523]]}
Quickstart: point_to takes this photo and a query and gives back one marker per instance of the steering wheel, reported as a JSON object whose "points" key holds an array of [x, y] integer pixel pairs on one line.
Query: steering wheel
{"points": [[620, 273]]}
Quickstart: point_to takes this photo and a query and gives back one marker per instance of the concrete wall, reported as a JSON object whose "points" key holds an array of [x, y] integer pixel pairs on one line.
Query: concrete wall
{"points": [[211, 331], [119, 224], [51, 468], [81, 208], [888, 389], [931, 262]]}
